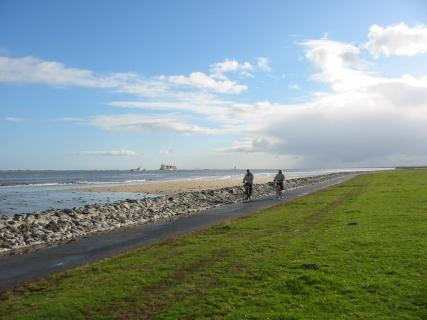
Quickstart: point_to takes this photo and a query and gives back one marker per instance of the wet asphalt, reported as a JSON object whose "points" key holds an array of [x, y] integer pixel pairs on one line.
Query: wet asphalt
{"points": [[17, 269]]}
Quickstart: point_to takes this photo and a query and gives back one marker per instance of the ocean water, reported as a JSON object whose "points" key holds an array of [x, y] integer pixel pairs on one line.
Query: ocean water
{"points": [[25, 191]]}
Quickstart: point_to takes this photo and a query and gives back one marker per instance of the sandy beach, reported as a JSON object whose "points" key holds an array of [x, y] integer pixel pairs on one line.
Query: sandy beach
{"points": [[172, 187]]}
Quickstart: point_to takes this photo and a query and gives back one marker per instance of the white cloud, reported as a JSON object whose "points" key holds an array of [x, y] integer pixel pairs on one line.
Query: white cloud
{"points": [[146, 88], [294, 86], [218, 69], [201, 103], [32, 70], [204, 81], [341, 128], [264, 64], [211, 110], [260, 144], [225, 66], [150, 123], [166, 151], [333, 56], [116, 153], [245, 68], [15, 119], [398, 39], [365, 119], [339, 63]]}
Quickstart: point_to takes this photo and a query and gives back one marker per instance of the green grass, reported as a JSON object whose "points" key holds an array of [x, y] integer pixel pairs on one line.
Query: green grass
{"points": [[356, 251]]}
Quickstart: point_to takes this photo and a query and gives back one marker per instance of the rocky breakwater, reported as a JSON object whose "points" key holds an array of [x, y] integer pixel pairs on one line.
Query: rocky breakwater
{"points": [[61, 225]]}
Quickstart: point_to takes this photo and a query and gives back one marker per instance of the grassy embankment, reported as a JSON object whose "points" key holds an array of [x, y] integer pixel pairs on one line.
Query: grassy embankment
{"points": [[356, 251]]}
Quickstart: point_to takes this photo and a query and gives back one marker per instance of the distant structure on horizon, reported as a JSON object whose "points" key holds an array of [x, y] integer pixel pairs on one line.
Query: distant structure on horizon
{"points": [[167, 167], [138, 169]]}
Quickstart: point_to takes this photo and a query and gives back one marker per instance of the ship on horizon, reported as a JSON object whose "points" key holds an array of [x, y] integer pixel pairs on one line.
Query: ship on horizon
{"points": [[138, 169], [167, 167]]}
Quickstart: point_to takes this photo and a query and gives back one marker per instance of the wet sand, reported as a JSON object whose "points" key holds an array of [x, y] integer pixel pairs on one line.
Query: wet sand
{"points": [[171, 187]]}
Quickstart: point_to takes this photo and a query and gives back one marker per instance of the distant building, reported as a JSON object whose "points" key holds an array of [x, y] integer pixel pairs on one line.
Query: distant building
{"points": [[167, 167]]}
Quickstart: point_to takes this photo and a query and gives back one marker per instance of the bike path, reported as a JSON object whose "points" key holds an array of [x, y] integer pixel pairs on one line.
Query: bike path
{"points": [[17, 269]]}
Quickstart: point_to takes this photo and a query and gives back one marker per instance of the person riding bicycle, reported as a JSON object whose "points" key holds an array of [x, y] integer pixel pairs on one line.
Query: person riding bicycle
{"points": [[248, 181], [279, 180]]}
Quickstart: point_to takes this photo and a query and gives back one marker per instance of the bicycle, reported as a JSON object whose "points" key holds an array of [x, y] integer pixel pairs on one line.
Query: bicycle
{"points": [[279, 193], [247, 193]]}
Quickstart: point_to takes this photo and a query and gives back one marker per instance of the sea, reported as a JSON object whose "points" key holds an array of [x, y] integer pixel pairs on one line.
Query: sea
{"points": [[24, 191]]}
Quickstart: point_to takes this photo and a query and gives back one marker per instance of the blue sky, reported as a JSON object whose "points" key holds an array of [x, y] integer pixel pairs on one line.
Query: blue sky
{"points": [[118, 84]]}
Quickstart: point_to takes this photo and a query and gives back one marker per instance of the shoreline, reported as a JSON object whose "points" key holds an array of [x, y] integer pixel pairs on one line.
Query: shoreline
{"points": [[171, 187], [35, 230]]}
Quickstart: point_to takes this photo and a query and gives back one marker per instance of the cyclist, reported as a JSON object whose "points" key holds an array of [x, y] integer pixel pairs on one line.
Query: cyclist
{"points": [[248, 181], [279, 181]]}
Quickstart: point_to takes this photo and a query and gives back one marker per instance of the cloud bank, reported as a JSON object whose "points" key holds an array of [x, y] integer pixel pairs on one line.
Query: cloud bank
{"points": [[365, 118]]}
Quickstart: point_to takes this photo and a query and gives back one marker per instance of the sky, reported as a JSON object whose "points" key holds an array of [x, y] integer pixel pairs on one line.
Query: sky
{"points": [[212, 84]]}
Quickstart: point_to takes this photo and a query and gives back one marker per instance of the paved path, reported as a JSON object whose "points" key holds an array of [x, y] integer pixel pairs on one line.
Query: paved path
{"points": [[17, 269]]}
